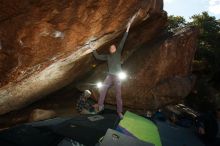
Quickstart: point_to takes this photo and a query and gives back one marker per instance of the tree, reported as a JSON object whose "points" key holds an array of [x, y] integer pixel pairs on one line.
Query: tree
{"points": [[175, 22], [208, 51], [209, 40]]}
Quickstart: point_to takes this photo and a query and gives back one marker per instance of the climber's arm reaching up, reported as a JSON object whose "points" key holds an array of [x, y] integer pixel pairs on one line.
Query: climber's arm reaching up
{"points": [[121, 45]]}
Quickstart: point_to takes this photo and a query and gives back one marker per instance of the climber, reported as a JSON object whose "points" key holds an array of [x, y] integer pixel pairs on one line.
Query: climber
{"points": [[114, 67]]}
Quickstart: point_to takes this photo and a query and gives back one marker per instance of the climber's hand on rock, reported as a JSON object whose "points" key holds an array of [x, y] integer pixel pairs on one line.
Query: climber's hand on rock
{"points": [[92, 45], [132, 20]]}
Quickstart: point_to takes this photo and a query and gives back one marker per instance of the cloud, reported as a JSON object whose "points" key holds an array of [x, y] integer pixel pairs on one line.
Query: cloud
{"points": [[168, 1], [214, 6]]}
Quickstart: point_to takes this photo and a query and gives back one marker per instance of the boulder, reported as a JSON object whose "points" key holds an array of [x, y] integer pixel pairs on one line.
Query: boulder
{"points": [[44, 43], [41, 114], [44, 47]]}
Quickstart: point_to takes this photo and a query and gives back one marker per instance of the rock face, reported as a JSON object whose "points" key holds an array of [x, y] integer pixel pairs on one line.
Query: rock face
{"points": [[44, 47], [45, 43], [159, 72], [41, 114]]}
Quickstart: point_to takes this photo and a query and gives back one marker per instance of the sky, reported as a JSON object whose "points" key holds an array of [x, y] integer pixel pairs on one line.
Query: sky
{"points": [[187, 8]]}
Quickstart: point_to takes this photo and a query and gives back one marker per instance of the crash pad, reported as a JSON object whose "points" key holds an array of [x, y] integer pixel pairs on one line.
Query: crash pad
{"points": [[141, 128]]}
